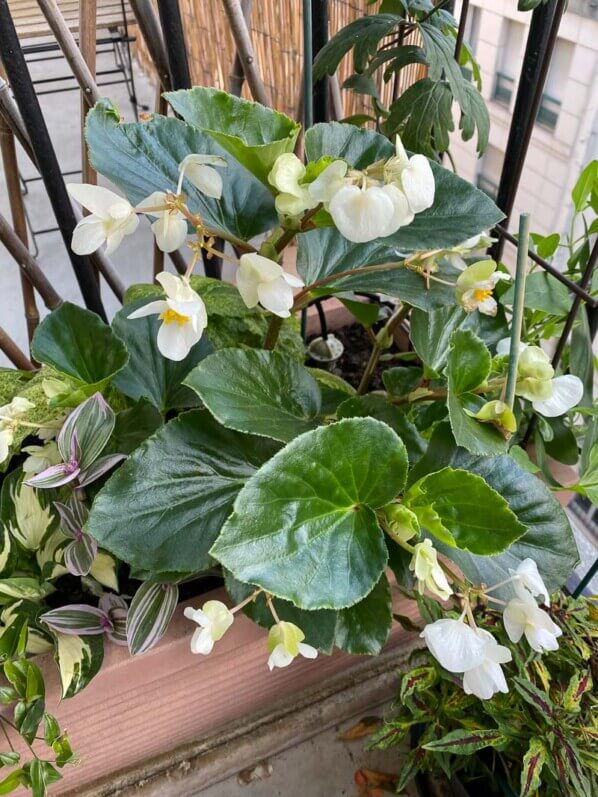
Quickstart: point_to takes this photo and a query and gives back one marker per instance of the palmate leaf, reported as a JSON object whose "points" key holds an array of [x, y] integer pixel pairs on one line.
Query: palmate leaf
{"points": [[423, 117]]}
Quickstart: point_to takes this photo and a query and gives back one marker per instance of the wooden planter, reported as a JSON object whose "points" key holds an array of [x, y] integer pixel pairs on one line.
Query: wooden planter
{"points": [[139, 708]]}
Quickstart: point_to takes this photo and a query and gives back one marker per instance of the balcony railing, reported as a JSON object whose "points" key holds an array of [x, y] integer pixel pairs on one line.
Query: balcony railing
{"points": [[487, 185], [548, 112], [503, 88]]}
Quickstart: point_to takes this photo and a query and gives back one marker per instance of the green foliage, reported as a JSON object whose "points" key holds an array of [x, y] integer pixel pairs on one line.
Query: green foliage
{"points": [[539, 737]]}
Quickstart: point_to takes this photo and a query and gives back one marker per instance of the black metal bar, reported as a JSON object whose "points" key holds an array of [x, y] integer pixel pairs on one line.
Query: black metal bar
{"points": [[174, 40], [541, 40], [149, 25], [574, 287], [28, 104], [319, 37], [461, 30], [586, 580]]}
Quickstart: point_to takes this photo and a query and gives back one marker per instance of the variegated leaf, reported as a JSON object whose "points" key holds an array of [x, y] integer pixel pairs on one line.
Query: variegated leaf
{"points": [[79, 660], [535, 697], [79, 555], [73, 516], [467, 742], [86, 431], [531, 773], [149, 614], [580, 683], [78, 619], [116, 608]]}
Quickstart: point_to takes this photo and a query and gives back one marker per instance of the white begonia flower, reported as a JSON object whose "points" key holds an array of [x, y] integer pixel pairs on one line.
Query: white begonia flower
{"points": [[285, 643], [475, 286], [455, 645], [262, 281], [112, 217], [468, 247], [41, 457], [183, 315], [487, 678], [550, 395], [427, 570], [413, 175], [9, 416], [527, 580], [328, 183], [170, 227], [199, 170], [364, 214], [522, 616], [293, 197], [214, 619]]}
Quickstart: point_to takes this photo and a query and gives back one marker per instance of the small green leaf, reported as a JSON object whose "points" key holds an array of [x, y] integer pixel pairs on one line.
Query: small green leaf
{"points": [[312, 505], [262, 392], [13, 781], [542, 292], [463, 742], [253, 134], [461, 510], [586, 183], [77, 343], [399, 381]]}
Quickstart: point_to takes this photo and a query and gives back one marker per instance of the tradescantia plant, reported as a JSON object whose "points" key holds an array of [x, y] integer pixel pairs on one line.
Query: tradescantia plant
{"points": [[189, 437]]}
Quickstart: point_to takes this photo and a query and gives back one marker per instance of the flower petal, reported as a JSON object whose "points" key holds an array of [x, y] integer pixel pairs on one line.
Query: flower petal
{"points": [[95, 198], [418, 184], [454, 644], [201, 641], [403, 214], [307, 651], [170, 232], [567, 392], [280, 657], [362, 216], [205, 179], [88, 235], [172, 344], [151, 308], [329, 182], [276, 296]]}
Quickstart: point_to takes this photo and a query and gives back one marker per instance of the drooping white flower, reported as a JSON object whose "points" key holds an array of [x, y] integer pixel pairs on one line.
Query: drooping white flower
{"points": [[262, 281], [9, 416], [527, 580], [199, 170], [550, 395], [214, 619], [285, 643], [487, 678], [112, 217], [455, 645], [522, 616], [170, 227], [428, 572], [183, 315], [413, 175], [475, 286], [364, 214], [469, 247]]}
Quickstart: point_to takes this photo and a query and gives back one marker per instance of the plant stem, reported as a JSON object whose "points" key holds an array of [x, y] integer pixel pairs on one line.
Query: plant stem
{"points": [[304, 294], [247, 600], [395, 537], [272, 609], [273, 332], [440, 393], [517, 320], [385, 333]]}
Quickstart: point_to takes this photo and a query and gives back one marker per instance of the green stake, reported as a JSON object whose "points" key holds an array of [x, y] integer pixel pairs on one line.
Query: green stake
{"points": [[520, 275]]}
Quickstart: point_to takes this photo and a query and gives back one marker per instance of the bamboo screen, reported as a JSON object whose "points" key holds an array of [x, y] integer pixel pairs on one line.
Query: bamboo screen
{"points": [[276, 31]]}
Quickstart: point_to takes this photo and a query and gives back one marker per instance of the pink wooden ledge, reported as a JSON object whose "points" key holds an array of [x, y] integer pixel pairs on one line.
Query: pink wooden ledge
{"points": [[137, 708]]}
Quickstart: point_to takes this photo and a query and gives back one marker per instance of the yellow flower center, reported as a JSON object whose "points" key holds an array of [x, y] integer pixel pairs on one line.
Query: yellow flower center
{"points": [[481, 294], [172, 317]]}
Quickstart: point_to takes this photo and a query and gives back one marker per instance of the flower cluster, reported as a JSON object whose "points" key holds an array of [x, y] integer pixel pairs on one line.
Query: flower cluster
{"points": [[364, 205], [463, 648], [285, 640]]}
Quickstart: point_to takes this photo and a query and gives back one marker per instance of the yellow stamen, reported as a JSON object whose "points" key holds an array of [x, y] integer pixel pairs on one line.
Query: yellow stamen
{"points": [[481, 294], [171, 317]]}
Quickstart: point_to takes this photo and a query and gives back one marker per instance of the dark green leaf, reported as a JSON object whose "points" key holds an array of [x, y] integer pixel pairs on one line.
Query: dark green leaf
{"points": [[263, 392], [465, 742], [250, 132], [581, 356], [134, 425], [399, 381], [304, 526], [77, 343], [163, 509], [143, 157], [542, 292], [364, 627]]}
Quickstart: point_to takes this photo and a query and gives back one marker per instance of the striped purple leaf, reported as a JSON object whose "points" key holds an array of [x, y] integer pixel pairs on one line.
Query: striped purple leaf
{"points": [[99, 468], [149, 615], [78, 619], [73, 516], [116, 608], [87, 429], [79, 555], [55, 475]]}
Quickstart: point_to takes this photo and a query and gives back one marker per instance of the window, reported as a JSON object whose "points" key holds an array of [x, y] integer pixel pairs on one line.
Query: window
{"points": [[490, 169], [509, 61], [556, 81]]}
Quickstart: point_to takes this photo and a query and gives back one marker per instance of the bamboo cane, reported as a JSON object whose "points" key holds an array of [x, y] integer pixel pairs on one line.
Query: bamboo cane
{"points": [[242, 40], [14, 353]]}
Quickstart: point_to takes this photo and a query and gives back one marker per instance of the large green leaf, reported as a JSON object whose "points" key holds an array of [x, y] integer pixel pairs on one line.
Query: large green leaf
{"points": [[78, 344], [364, 627], [148, 373], [163, 509], [324, 252], [548, 540], [263, 392], [461, 510], [542, 292], [468, 367], [304, 527], [459, 210], [253, 134], [143, 157]]}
